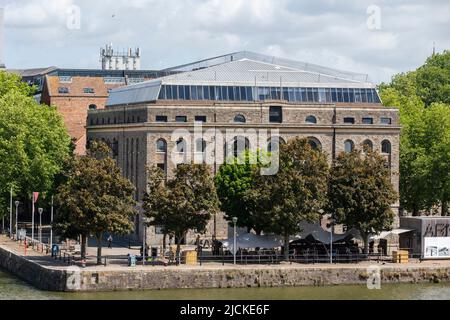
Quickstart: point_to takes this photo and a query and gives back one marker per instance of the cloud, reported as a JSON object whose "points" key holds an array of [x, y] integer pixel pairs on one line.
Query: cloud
{"points": [[171, 32]]}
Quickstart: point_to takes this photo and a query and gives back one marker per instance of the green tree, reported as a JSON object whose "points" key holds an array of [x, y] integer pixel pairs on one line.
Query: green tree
{"points": [[233, 180], [360, 193], [423, 99], [296, 193], [95, 198], [185, 202], [33, 142]]}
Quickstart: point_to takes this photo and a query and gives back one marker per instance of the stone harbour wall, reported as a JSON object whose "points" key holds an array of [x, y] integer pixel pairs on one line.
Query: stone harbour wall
{"points": [[157, 278]]}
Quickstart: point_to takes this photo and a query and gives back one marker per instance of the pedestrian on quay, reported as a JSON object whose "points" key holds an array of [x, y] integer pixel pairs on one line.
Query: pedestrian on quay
{"points": [[110, 240]]}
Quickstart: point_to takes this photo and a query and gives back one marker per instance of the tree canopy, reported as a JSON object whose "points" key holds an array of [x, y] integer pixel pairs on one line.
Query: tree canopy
{"points": [[233, 180], [360, 193], [33, 141], [95, 197], [183, 203], [296, 193], [423, 98]]}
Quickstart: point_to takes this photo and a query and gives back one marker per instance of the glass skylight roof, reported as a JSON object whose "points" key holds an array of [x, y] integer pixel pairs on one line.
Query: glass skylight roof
{"points": [[244, 75]]}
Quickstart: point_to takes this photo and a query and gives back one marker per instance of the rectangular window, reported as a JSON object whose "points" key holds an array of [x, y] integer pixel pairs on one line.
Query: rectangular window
{"points": [[194, 95], [291, 94], [63, 90], [181, 94], [275, 93], [65, 79], [181, 119], [349, 120], [224, 92], [357, 96], [334, 95], [303, 94], [230, 94], [275, 115], [298, 96], [263, 93], [212, 93], [187, 93], [346, 95], [200, 118], [174, 92], [199, 92], [169, 92], [322, 95], [386, 121], [367, 120], [363, 96], [340, 95], [328, 94], [249, 93], [243, 93], [162, 93], [351, 95], [88, 90], [206, 95], [161, 118], [310, 97], [369, 96]]}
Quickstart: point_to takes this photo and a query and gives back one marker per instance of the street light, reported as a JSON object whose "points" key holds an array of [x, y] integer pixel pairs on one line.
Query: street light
{"points": [[40, 210], [144, 242], [235, 219], [17, 210]]}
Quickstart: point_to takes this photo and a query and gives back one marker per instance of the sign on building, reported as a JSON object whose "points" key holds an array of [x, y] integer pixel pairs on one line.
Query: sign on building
{"points": [[437, 248]]}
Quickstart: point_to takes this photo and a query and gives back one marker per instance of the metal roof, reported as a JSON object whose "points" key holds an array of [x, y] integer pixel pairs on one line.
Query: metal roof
{"points": [[241, 69], [297, 65]]}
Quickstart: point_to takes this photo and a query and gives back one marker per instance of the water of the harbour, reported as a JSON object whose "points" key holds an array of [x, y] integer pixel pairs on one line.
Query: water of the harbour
{"points": [[12, 288]]}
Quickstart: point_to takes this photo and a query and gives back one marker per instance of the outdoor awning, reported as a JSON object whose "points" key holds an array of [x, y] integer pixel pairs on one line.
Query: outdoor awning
{"points": [[385, 234]]}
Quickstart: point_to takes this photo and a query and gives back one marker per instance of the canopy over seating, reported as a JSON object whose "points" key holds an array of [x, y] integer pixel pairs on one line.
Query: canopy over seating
{"points": [[314, 231]]}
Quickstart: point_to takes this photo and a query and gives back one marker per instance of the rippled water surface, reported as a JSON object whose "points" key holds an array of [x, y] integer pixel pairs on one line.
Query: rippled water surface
{"points": [[13, 288]]}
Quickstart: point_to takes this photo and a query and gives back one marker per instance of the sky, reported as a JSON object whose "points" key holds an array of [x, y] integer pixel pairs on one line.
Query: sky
{"points": [[376, 37]]}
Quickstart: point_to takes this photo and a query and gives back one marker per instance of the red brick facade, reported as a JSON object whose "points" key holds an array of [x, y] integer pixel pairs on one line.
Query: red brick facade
{"points": [[74, 104]]}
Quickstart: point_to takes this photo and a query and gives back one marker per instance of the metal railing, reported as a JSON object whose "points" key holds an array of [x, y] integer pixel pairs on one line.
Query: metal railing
{"points": [[306, 258]]}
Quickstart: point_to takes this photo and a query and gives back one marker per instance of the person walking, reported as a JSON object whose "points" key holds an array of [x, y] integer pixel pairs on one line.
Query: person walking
{"points": [[110, 240]]}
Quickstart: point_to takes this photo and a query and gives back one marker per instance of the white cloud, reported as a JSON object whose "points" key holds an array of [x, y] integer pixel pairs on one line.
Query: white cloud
{"points": [[170, 32]]}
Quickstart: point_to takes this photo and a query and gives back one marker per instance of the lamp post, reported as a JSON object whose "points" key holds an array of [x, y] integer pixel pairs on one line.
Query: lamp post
{"points": [[235, 219], [144, 242], [17, 214], [40, 210], [331, 238], [51, 225]]}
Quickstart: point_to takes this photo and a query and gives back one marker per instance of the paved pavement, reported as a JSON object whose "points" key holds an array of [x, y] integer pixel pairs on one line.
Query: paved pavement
{"points": [[117, 263]]}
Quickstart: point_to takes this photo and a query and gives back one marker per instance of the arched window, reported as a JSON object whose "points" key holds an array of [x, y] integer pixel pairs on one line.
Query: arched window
{"points": [[386, 147], [311, 120], [92, 107], [240, 144], [367, 145], [314, 143], [200, 145], [181, 145], [239, 119], [349, 146], [161, 146], [274, 144]]}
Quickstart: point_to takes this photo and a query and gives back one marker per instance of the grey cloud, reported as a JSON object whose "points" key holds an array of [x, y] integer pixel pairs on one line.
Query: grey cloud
{"points": [[170, 32]]}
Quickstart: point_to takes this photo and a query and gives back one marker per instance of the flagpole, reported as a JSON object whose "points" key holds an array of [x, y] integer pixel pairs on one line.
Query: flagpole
{"points": [[32, 216], [51, 226], [10, 213]]}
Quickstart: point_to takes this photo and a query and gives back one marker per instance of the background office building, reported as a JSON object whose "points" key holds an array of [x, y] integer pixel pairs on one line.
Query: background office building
{"points": [[336, 111]]}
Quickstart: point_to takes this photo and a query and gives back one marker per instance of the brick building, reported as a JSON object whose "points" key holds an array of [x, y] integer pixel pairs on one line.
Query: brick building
{"points": [[74, 91], [149, 123]]}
